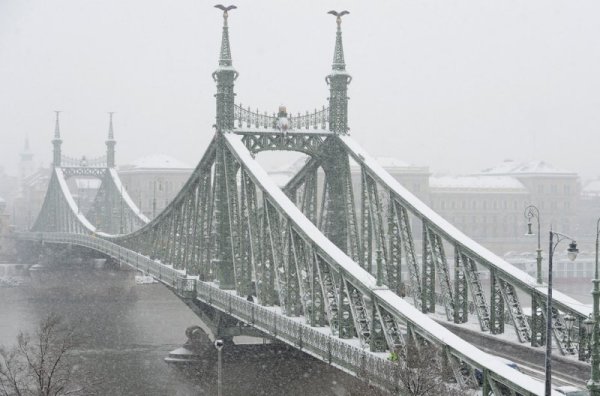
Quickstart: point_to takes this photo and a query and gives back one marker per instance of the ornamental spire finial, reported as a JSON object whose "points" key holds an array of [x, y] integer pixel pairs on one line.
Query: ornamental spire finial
{"points": [[111, 134], [338, 54], [110, 143], [225, 56], [57, 126]]}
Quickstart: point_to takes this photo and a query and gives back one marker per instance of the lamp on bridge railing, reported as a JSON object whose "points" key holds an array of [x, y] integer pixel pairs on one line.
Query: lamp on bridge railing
{"points": [[569, 322]]}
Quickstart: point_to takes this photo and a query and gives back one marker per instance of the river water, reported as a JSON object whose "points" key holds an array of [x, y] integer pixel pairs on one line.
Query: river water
{"points": [[127, 330]]}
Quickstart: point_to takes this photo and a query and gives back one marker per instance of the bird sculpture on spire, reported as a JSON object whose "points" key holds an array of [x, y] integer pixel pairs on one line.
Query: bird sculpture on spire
{"points": [[338, 15], [225, 10]]}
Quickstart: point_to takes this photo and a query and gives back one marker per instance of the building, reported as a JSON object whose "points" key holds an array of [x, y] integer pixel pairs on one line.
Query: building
{"points": [[153, 181], [7, 249], [30, 199], [489, 209]]}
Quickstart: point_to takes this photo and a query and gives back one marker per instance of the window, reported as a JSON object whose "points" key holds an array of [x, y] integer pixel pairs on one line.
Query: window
{"points": [[567, 189], [541, 189], [553, 189]]}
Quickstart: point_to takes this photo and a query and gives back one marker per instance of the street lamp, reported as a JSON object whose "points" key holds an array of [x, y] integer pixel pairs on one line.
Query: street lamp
{"points": [[532, 212], [555, 239], [592, 325], [219, 345]]}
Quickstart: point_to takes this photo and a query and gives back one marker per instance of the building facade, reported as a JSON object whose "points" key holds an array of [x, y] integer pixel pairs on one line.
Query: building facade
{"points": [[153, 181]]}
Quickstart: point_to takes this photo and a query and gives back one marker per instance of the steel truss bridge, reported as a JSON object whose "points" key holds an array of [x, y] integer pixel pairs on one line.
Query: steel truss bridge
{"points": [[318, 264]]}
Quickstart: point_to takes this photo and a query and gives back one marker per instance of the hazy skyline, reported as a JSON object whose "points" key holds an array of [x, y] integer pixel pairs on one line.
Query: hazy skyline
{"points": [[457, 86]]}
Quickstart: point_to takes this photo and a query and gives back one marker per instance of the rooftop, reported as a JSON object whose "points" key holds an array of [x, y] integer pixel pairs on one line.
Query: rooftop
{"points": [[156, 161], [495, 183], [511, 167]]}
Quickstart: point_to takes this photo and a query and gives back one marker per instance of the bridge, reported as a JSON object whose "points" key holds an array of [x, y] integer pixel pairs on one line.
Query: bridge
{"points": [[319, 264]]}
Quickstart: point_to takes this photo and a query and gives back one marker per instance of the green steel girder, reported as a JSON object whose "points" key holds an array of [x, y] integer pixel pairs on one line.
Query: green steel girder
{"points": [[515, 311], [477, 294], [294, 305], [496, 305], [345, 318], [275, 241], [267, 265], [392, 332], [394, 265], [427, 273], [309, 196], [461, 293], [538, 323], [366, 225], [437, 255], [328, 286], [409, 252], [364, 322], [559, 330]]}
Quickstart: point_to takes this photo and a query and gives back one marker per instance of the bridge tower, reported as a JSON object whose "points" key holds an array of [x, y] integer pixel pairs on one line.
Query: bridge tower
{"points": [[338, 81], [224, 76], [57, 142], [110, 143], [335, 159]]}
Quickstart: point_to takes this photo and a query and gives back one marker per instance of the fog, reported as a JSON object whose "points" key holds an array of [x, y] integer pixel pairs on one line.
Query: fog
{"points": [[455, 85]]}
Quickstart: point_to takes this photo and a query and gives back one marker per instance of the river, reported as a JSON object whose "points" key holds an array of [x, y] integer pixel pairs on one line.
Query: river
{"points": [[127, 330]]}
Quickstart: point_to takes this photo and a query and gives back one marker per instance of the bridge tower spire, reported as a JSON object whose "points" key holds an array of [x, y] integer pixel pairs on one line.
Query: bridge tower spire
{"points": [[57, 142], [224, 76], [110, 143], [338, 81]]}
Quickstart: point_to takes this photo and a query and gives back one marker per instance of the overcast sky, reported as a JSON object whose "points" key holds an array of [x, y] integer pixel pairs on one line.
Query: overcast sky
{"points": [[455, 85]]}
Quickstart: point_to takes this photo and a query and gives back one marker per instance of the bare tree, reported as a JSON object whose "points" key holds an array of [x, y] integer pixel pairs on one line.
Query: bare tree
{"points": [[41, 364], [421, 372]]}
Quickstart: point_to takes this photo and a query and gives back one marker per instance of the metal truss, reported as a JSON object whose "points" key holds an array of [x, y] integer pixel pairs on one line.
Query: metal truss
{"points": [[98, 173], [236, 242], [477, 294], [514, 309], [307, 143], [113, 211], [559, 331]]}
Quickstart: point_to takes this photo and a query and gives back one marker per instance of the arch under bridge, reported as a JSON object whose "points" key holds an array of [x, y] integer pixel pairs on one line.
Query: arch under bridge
{"points": [[346, 271]]}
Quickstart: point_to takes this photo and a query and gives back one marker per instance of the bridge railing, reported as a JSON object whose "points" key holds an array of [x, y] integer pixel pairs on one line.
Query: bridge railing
{"points": [[246, 118], [163, 272], [315, 341], [96, 162]]}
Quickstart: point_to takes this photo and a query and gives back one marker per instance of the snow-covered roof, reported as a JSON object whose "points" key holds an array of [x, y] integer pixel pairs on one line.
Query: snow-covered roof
{"points": [[511, 167], [157, 161], [476, 183]]}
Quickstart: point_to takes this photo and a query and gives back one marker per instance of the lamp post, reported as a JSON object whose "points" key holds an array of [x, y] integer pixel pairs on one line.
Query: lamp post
{"points": [[219, 345], [592, 325], [554, 239], [532, 212]]}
